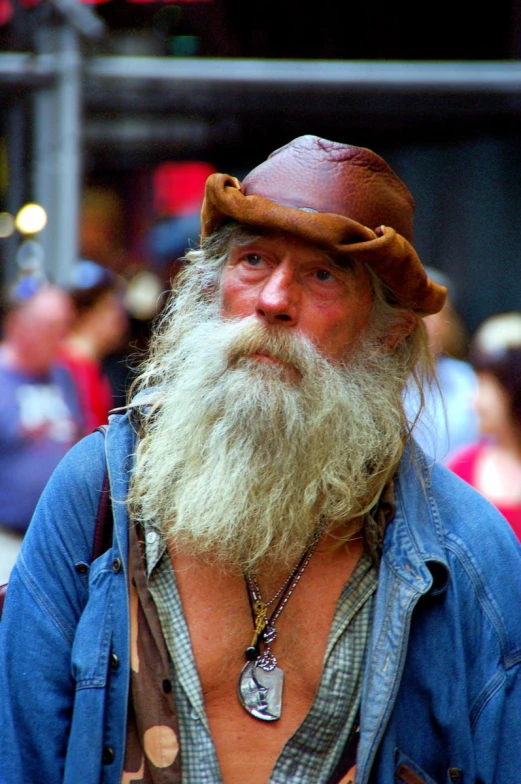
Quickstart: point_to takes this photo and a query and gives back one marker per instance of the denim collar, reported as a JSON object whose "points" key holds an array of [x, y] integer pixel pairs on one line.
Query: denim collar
{"points": [[413, 542]]}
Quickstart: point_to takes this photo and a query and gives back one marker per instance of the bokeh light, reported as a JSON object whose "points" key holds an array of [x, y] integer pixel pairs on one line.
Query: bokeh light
{"points": [[6, 224], [31, 219]]}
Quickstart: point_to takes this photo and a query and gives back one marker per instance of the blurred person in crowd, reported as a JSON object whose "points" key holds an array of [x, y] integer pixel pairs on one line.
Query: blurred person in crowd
{"points": [[292, 592], [178, 190], [109, 230], [493, 463], [98, 330], [102, 235], [448, 420], [39, 412], [144, 297]]}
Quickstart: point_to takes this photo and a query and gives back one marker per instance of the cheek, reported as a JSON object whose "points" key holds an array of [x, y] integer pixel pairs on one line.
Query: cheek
{"points": [[354, 319], [335, 332], [236, 299], [354, 327]]}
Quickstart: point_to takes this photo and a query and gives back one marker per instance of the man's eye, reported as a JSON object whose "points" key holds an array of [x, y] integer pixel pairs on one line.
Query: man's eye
{"points": [[323, 275], [253, 259]]}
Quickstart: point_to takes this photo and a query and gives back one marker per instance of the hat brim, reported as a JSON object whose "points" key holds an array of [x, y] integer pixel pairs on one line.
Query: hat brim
{"points": [[391, 257]]}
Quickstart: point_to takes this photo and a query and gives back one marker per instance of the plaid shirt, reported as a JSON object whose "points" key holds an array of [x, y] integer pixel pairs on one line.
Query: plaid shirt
{"points": [[314, 750]]}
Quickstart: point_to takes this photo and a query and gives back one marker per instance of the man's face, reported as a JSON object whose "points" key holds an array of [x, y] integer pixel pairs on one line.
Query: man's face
{"points": [[39, 327], [287, 282]]}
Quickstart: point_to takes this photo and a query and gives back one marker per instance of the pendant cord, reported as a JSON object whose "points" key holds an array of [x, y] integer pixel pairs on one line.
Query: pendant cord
{"points": [[254, 593], [298, 572], [264, 627]]}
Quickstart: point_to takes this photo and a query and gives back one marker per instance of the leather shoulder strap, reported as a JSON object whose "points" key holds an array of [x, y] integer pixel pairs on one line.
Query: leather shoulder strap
{"points": [[3, 591], [104, 521]]}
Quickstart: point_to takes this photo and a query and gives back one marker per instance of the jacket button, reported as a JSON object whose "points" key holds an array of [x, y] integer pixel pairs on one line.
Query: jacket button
{"points": [[114, 661], [108, 755], [82, 568], [116, 565], [167, 686], [454, 774]]}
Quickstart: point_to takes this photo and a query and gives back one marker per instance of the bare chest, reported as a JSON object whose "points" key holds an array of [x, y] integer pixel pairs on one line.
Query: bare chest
{"points": [[220, 624]]}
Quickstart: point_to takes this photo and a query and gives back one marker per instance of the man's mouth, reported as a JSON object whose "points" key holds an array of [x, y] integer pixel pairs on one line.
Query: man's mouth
{"points": [[267, 358]]}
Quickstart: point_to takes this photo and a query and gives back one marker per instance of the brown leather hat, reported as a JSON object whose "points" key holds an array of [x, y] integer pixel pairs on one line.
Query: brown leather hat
{"points": [[344, 199]]}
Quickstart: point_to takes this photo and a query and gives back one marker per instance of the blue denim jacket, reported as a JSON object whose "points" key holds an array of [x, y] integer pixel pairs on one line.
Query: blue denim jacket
{"points": [[442, 689]]}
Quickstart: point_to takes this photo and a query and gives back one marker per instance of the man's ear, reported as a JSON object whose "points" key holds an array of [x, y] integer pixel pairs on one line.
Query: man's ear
{"points": [[405, 324]]}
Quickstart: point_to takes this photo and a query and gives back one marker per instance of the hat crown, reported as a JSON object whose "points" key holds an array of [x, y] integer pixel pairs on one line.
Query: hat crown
{"points": [[329, 177]]}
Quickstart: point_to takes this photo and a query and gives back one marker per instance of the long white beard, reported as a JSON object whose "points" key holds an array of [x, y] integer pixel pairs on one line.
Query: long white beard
{"points": [[244, 460]]}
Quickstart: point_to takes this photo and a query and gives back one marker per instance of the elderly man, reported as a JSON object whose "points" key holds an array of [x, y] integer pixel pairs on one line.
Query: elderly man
{"points": [[291, 593]]}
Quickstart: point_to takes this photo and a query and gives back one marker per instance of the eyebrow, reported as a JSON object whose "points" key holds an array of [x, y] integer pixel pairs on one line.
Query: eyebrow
{"points": [[342, 263]]}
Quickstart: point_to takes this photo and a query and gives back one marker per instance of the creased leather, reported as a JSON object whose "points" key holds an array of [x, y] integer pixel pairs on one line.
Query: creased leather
{"points": [[344, 199]]}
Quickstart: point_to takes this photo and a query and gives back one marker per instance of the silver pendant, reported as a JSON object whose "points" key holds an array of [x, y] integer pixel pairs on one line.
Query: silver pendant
{"points": [[260, 692]]}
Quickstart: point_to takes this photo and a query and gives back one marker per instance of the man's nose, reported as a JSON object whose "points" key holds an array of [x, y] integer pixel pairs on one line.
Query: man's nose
{"points": [[279, 297]]}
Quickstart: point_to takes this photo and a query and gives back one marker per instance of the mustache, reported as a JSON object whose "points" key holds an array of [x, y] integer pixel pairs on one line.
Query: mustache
{"points": [[280, 344]]}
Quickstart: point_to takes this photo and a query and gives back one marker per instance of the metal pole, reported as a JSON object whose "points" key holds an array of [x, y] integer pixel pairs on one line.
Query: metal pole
{"points": [[68, 152], [222, 73], [15, 130], [57, 152], [44, 166]]}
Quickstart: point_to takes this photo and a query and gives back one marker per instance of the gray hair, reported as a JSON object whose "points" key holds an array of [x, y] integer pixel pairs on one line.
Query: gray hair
{"points": [[198, 283]]}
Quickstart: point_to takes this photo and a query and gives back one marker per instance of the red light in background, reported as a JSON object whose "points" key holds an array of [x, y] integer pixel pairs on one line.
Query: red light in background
{"points": [[6, 11], [178, 187]]}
